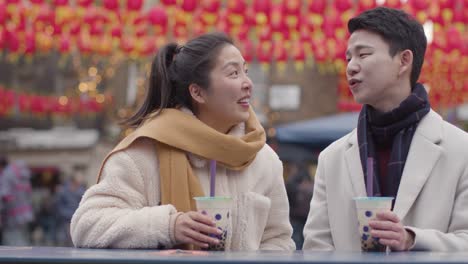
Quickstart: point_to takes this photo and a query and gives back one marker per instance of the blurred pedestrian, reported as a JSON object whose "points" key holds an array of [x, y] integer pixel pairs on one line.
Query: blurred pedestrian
{"points": [[17, 211], [67, 199], [197, 111], [299, 187]]}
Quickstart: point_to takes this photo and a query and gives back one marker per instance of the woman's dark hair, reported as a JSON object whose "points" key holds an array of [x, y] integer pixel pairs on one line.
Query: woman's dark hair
{"points": [[176, 67], [398, 29]]}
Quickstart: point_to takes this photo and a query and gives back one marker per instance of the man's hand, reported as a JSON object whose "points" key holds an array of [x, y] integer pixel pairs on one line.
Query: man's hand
{"points": [[194, 228], [388, 228]]}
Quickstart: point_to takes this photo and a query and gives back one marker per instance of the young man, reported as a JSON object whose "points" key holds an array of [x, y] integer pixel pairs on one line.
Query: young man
{"points": [[420, 159]]}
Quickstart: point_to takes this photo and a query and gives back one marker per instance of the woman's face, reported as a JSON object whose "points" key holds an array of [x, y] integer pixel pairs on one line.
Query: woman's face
{"points": [[226, 102]]}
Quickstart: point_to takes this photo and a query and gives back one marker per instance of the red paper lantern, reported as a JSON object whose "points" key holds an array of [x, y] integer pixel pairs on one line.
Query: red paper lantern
{"points": [[211, 6], [343, 5], [116, 31], [243, 33], [320, 50], [3, 13], [454, 39], [279, 52], [134, 5], [265, 34], [64, 46], [317, 6], [127, 44], [75, 28], [366, 5], [189, 5], [37, 104], [237, 6], [3, 38], [45, 15], [393, 4], [84, 3], [180, 32], [247, 50], [91, 15], [112, 5], [96, 29], [249, 17], [30, 43], [37, 2], [264, 51], [419, 4], [60, 2], [104, 46], [261, 10], [24, 103], [459, 15], [299, 51], [169, 3], [277, 19], [446, 4], [231, 18], [465, 14], [84, 44], [292, 7], [158, 16], [13, 42], [148, 47]]}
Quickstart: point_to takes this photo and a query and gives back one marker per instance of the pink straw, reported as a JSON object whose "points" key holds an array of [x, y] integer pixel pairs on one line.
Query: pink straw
{"points": [[370, 176], [212, 177]]}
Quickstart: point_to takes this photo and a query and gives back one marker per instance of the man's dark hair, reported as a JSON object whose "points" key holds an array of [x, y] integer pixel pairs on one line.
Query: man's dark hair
{"points": [[398, 29]]}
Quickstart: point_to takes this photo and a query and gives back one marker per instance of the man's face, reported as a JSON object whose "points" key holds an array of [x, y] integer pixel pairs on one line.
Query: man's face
{"points": [[373, 75]]}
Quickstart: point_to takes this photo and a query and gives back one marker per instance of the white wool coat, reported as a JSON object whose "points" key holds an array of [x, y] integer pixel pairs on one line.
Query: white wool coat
{"points": [[432, 199], [123, 210]]}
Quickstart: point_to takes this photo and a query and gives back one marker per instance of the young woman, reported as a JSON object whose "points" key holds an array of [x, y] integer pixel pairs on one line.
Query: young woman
{"points": [[196, 110]]}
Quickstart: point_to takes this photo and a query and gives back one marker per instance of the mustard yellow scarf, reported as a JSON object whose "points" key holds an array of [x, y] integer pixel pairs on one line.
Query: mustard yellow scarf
{"points": [[177, 133]]}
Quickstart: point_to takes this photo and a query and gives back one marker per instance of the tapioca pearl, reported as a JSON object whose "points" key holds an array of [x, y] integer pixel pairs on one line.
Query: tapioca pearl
{"points": [[364, 237], [368, 213], [365, 229], [218, 217]]}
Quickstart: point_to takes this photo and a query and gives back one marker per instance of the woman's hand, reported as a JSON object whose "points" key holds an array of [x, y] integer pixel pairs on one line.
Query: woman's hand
{"points": [[195, 228]]}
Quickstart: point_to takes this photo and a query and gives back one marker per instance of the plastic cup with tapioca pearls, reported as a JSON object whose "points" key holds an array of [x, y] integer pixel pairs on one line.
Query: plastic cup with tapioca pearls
{"points": [[367, 209], [219, 209]]}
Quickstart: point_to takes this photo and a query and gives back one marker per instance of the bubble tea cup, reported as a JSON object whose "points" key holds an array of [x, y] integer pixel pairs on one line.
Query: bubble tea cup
{"points": [[219, 209], [367, 209]]}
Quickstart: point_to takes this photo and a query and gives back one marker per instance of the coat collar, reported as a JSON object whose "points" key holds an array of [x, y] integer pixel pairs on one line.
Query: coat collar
{"points": [[423, 154]]}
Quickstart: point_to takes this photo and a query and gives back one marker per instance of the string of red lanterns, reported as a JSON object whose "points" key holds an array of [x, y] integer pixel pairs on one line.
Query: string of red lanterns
{"points": [[269, 32], [40, 105]]}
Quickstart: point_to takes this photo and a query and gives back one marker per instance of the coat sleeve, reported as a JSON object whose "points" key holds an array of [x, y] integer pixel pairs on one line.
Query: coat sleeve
{"points": [[456, 239], [317, 233], [278, 231], [115, 213]]}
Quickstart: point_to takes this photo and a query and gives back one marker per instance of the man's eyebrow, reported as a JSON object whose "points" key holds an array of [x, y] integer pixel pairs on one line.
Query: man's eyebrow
{"points": [[358, 47]]}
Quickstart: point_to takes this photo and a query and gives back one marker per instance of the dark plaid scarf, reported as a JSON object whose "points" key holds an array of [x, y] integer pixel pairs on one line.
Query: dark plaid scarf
{"points": [[396, 128]]}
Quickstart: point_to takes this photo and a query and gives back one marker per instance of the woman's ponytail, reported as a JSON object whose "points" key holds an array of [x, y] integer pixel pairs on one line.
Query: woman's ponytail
{"points": [[160, 93]]}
